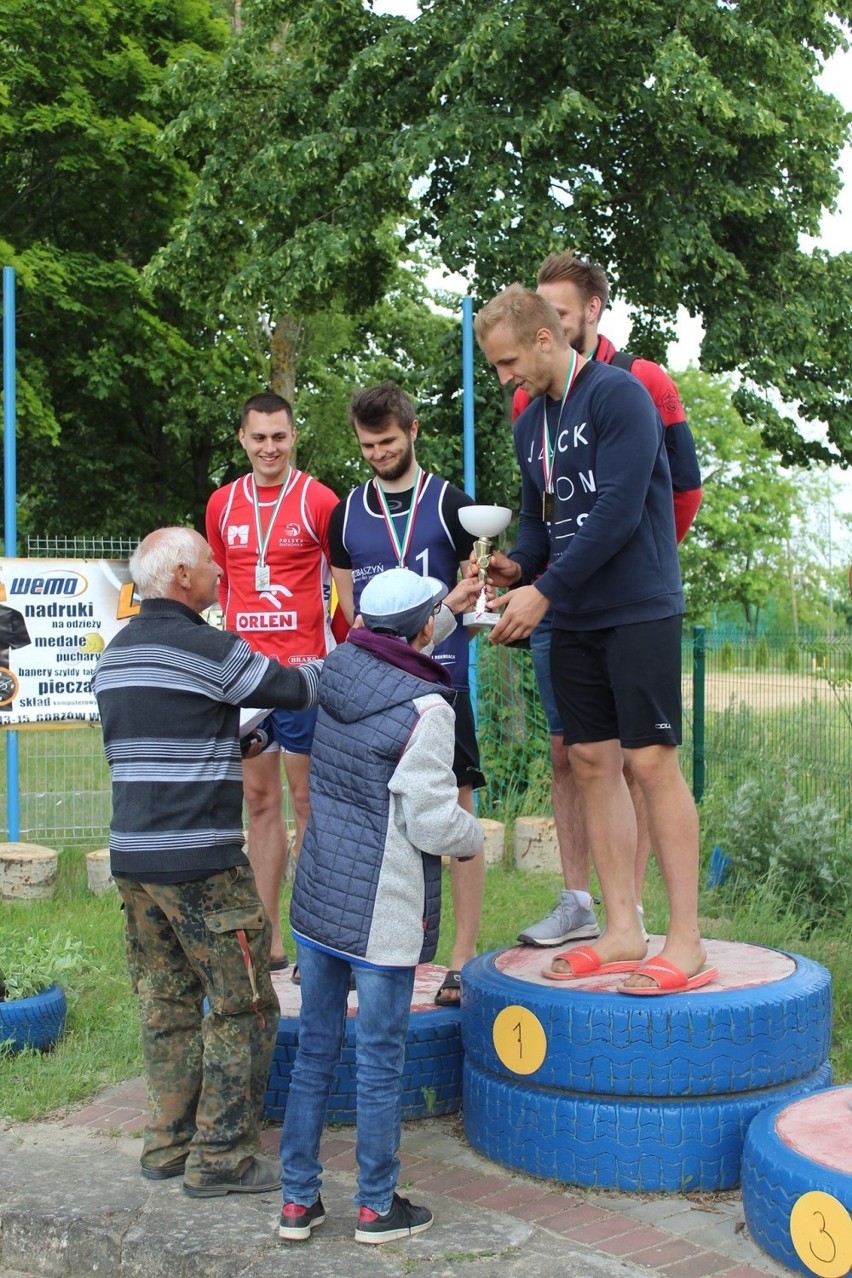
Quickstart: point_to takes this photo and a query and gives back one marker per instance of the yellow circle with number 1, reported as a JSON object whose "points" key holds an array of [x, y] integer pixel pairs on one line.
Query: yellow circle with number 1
{"points": [[821, 1230], [519, 1039]]}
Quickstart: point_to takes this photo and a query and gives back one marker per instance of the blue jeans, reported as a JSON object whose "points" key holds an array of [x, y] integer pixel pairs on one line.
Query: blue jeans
{"points": [[381, 1028], [540, 648]]}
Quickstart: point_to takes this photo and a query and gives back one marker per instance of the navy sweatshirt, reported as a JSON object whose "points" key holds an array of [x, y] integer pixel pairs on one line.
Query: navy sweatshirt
{"points": [[610, 549]]}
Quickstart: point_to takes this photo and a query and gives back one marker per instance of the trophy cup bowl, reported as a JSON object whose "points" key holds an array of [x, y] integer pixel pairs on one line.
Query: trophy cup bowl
{"points": [[485, 522]]}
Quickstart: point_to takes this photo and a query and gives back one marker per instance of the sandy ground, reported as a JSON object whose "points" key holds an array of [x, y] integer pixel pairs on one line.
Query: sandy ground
{"points": [[764, 691]]}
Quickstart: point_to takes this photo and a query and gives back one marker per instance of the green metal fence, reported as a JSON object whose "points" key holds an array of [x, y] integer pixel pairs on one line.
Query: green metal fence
{"points": [[751, 706]]}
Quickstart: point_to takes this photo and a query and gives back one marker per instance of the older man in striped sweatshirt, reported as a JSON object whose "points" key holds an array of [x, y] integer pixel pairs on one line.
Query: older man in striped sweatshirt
{"points": [[169, 689]]}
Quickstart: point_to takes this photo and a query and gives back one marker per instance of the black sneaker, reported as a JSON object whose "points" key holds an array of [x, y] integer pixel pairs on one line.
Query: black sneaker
{"points": [[401, 1221], [298, 1221]]}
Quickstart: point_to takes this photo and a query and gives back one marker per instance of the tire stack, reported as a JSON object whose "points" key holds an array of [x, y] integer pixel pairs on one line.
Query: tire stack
{"points": [[432, 1074], [797, 1183], [578, 1083]]}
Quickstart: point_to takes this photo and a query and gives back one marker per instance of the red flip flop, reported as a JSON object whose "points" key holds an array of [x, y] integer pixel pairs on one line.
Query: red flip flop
{"points": [[669, 978], [584, 960]]}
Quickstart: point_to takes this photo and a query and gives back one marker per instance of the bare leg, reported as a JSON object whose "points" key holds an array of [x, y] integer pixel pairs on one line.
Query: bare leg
{"points": [[297, 767], [673, 823], [267, 836], [643, 834], [467, 879], [568, 815], [611, 830]]}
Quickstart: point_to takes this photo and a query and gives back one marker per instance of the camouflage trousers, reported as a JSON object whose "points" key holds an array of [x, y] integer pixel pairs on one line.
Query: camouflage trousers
{"points": [[207, 1075]]}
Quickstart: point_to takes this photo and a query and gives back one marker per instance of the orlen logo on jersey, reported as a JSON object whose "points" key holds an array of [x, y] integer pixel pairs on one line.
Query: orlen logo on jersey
{"points": [[238, 534], [66, 584]]}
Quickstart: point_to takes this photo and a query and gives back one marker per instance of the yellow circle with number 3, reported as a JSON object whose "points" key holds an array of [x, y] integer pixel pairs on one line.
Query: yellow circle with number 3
{"points": [[821, 1230], [519, 1039]]}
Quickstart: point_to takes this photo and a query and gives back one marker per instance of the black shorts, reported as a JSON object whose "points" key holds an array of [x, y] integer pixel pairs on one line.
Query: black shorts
{"points": [[466, 757], [622, 683]]}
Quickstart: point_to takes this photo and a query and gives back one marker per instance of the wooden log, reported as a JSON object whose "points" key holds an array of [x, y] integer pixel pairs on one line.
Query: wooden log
{"points": [[536, 844], [98, 872], [494, 845], [27, 872]]}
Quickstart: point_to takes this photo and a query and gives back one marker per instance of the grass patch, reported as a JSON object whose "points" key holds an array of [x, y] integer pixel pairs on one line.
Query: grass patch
{"points": [[101, 1044]]}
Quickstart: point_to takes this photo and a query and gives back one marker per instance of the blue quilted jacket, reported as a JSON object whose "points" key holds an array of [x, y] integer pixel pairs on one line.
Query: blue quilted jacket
{"points": [[384, 808]]}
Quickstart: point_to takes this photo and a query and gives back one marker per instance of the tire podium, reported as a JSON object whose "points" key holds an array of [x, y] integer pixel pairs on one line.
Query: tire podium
{"points": [[797, 1183], [577, 1083], [432, 1077]]}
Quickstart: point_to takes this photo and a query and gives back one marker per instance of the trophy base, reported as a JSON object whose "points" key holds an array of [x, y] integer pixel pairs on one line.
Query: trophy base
{"points": [[481, 619]]}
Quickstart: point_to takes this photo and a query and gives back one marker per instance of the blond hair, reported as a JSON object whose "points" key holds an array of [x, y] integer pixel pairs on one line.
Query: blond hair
{"points": [[525, 313]]}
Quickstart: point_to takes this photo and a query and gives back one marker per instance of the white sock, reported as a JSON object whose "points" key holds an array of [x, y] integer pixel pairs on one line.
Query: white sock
{"points": [[584, 898]]}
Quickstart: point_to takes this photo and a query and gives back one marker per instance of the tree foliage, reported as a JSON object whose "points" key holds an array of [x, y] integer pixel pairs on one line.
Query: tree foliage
{"points": [[686, 147], [85, 200], [756, 549], [200, 207]]}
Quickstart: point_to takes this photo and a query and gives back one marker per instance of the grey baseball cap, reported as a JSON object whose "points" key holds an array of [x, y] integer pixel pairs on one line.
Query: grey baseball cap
{"points": [[400, 602]]}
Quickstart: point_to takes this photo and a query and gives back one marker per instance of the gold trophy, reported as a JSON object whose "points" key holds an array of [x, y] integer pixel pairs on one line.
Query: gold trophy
{"points": [[485, 522]]}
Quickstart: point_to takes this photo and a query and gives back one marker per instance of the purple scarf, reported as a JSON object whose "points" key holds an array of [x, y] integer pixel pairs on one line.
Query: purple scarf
{"points": [[396, 652]]}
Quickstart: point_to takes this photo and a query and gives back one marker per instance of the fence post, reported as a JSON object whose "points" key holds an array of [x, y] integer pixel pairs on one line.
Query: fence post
{"points": [[698, 675]]}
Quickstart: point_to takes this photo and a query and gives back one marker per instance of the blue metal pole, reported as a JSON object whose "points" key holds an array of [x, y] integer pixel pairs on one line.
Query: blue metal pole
{"points": [[10, 526], [467, 388], [469, 459]]}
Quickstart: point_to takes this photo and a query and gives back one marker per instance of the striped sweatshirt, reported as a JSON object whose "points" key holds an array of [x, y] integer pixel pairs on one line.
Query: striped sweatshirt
{"points": [[169, 688]]}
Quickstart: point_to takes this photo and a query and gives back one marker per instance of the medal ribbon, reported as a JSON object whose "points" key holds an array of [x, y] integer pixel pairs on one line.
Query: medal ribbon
{"points": [[401, 546], [263, 538], [548, 450]]}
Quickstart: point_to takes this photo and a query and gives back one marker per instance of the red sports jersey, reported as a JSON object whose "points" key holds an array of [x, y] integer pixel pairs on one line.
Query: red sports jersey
{"points": [[288, 618]]}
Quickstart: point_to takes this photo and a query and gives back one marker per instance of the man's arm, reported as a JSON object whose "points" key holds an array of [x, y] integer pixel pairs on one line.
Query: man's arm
{"points": [[680, 445], [216, 542], [345, 593], [249, 678]]}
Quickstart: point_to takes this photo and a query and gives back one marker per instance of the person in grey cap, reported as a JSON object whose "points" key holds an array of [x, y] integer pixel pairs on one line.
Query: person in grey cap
{"points": [[384, 809]]}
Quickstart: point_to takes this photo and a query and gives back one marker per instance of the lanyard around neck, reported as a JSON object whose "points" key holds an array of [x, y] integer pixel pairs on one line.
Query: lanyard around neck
{"points": [[263, 537], [401, 545], [548, 450]]}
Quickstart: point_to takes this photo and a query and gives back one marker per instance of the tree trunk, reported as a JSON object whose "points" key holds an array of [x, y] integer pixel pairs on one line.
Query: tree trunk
{"points": [[283, 354]]}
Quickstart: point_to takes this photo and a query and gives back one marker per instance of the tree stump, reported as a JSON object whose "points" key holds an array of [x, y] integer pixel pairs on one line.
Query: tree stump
{"points": [[98, 872], [494, 846], [27, 872], [536, 844]]}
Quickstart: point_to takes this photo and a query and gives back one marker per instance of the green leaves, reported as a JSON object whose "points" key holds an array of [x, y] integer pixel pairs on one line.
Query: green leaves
{"points": [[30, 964]]}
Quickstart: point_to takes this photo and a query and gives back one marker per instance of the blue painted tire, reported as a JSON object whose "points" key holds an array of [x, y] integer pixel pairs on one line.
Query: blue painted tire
{"points": [[703, 1044], [774, 1178], [672, 1145], [36, 1022], [432, 1074]]}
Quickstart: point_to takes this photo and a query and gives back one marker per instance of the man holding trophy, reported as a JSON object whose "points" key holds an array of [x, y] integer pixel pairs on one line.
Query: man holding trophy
{"points": [[597, 524]]}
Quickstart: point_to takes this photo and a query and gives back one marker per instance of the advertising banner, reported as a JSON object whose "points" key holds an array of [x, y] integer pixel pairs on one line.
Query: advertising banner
{"points": [[56, 617]]}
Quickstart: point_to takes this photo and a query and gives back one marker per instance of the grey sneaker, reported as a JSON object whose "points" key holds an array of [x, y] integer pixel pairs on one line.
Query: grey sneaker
{"points": [[567, 921]]}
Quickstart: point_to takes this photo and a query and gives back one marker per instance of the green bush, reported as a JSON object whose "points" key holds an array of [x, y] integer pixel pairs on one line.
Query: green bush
{"points": [[782, 847], [726, 657], [791, 658], [761, 655], [30, 964]]}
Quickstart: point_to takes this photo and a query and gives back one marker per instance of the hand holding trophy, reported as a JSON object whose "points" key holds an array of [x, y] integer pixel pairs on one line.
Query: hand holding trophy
{"points": [[485, 522]]}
